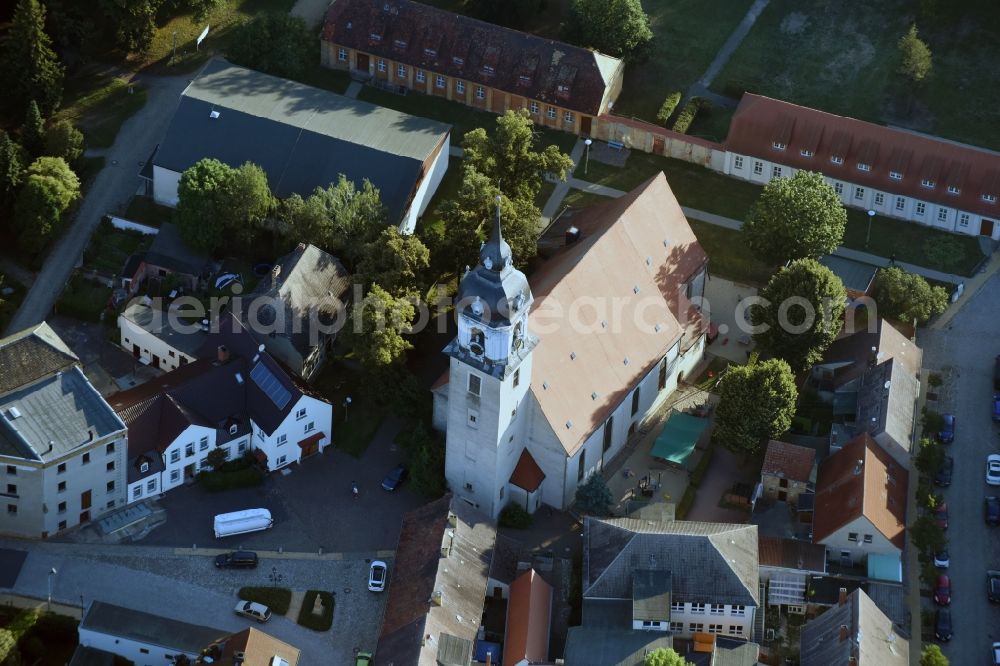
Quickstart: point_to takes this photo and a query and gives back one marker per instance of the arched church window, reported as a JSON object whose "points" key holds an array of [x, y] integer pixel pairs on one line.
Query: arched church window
{"points": [[477, 342]]}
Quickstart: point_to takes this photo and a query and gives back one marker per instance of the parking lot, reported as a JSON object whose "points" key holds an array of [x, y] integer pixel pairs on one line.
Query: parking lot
{"points": [[964, 354]]}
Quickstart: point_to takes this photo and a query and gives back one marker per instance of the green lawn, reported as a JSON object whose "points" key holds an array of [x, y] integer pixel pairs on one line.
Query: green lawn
{"points": [[828, 54], [146, 211], [712, 123], [728, 254], [83, 299], [110, 248], [686, 36], [354, 426], [99, 105], [581, 199]]}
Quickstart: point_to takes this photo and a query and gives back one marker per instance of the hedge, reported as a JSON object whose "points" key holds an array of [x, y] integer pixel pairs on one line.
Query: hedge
{"points": [[218, 481], [686, 502], [276, 598], [698, 473], [668, 107], [514, 516], [317, 622], [687, 114]]}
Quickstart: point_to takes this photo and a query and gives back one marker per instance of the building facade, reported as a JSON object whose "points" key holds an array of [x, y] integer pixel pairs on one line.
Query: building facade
{"points": [[788, 471], [442, 54]]}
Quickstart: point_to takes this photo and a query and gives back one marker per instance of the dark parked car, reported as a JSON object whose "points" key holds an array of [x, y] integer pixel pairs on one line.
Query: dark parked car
{"points": [[395, 478], [996, 406], [947, 434], [941, 516], [240, 559], [991, 510], [942, 625], [942, 590], [943, 477], [993, 586]]}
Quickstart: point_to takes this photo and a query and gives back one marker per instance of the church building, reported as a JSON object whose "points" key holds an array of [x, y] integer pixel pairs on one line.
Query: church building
{"points": [[550, 376]]}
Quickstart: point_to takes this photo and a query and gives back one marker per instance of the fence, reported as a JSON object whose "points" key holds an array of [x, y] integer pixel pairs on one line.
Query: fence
{"points": [[650, 138]]}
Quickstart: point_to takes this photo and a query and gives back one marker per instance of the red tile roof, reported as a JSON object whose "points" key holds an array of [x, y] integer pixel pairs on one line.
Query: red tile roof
{"points": [[528, 615], [465, 48], [847, 490], [760, 122], [788, 461], [527, 474]]}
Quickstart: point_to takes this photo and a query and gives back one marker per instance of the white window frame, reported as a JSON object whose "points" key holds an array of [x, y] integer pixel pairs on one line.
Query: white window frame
{"points": [[533, 107], [927, 182], [806, 153], [282, 440], [676, 607], [439, 81], [838, 188], [717, 609], [900, 203], [952, 189], [698, 609], [460, 87], [232, 431], [775, 171], [735, 630], [696, 627], [879, 198], [864, 167], [421, 76], [551, 112], [758, 168], [895, 175], [203, 443], [280, 461], [942, 215], [990, 198], [859, 193], [143, 468], [137, 492], [920, 208], [401, 71], [310, 426], [963, 220], [342, 54], [738, 610], [175, 475], [738, 163], [836, 159], [777, 145], [677, 627], [480, 92], [852, 537], [151, 486], [175, 456], [568, 116], [300, 414], [381, 65]]}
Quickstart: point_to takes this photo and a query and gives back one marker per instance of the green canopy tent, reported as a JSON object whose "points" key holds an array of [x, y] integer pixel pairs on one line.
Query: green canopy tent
{"points": [[679, 436]]}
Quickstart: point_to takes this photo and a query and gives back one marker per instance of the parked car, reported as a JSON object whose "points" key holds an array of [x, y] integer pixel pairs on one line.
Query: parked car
{"points": [[363, 659], [993, 469], [941, 559], [991, 510], [996, 406], [996, 654], [240, 559], [942, 625], [941, 516], [395, 478], [253, 610], [993, 586], [943, 477], [377, 573], [947, 434], [942, 590]]}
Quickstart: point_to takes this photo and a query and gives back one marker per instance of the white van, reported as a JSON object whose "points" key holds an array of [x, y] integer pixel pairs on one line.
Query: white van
{"points": [[241, 522]]}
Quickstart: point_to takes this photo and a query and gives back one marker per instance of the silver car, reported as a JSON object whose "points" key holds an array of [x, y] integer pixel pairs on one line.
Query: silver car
{"points": [[253, 610]]}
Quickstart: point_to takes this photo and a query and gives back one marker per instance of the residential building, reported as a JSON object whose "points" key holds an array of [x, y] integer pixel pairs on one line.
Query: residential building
{"points": [[241, 401], [529, 620], [854, 633], [785, 566], [155, 338], [788, 471], [894, 172], [143, 638], [860, 503], [296, 310], [408, 45], [599, 646], [540, 392], [303, 138], [168, 258], [250, 647], [438, 586], [62, 447]]}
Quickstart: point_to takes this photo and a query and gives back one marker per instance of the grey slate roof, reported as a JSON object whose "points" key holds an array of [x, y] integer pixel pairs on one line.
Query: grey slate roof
{"points": [[870, 637], [158, 323], [734, 652], [57, 415], [302, 137], [709, 562], [88, 656], [31, 354], [607, 613], [888, 409], [589, 646], [169, 251], [136, 625], [651, 595], [855, 275]]}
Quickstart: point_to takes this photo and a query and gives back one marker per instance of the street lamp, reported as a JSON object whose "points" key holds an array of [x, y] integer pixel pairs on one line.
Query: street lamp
{"points": [[586, 161], [347, 403], [52, 572], [868, 236]]}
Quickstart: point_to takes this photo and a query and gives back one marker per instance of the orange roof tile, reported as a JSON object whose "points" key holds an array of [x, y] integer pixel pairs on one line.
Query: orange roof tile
{"points": [[788, 461], [528, 615], [527, 474]]}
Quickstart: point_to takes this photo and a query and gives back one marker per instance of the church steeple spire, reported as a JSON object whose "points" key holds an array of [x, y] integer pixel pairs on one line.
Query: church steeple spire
{"points": [[495, 255]]}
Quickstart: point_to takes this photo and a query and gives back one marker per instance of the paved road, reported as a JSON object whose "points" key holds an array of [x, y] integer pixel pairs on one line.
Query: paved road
{"points": [[112, 187], [963, 352]]}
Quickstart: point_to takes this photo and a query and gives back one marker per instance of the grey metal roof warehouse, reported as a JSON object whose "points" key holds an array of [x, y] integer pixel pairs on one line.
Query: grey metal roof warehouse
{"points": [[302, 137], [112, 620]]}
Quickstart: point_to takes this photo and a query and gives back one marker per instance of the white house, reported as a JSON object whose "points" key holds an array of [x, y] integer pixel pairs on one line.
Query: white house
{"points": [[894, 172], [548, 378], [303, 138]]}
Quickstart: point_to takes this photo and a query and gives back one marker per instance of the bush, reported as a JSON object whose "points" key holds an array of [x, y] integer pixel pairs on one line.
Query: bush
{"points": [[687, 114], [514, 516], [317, 622], [698, 473], [686, 501], [667, 109], [934, 380], [216, 481], [276, 598], [932, 422]]}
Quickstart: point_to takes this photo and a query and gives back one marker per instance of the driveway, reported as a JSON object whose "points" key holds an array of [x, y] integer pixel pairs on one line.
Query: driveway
{"points": [[109, 192], [963, 352]]}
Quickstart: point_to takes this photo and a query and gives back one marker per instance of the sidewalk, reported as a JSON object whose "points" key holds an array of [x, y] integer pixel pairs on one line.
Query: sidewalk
{"points": [[21, 601], [555, 199], [972, 285]]}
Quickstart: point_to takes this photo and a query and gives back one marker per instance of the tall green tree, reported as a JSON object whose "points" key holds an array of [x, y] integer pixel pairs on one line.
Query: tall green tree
{"points": [[33, 130], [914, 57], [426, 450], [11, 170], [509, 159], [133, 22], [664, 657], [357, 216], [200, 219], [245, 201], [795, 218], [619, 28], [907, 296], [279, 44], [931, 655], [63, 140], [594, 497], [377, 327], [926, 535], [29, 68], [396, 262], [802, 314], [49, 188], [756, 404]]}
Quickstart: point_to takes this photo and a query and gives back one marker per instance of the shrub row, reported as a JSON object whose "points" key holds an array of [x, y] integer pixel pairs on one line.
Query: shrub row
{"points": [[668, 107], [685, 504], [687, 114], [698, 473], [276, 598], [317, 622]]}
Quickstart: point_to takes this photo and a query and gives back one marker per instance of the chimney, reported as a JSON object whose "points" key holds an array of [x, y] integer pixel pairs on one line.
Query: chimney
{"points": [[275, 273], [572, 235], [843, 633], [223, 353], [842, 597]]}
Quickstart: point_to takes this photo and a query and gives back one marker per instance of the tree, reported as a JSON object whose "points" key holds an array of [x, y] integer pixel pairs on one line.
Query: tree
{"points": [[199, 218], [29, 68], [33, 130], [619, 28], [756, 403], [508, 157], [377, 327], [356, 216], [914, 57], [305, 220], [279, 44], [11, 170], [426, 450], [664, 657], [134, 22], [795, 218], [907, 296], [594, 497], [396, 262], [63, 140], [245, 201], [931, 655], [926, 535], [930, 457], [50, 187], [802, 314], [216, 458], [9, 654]]}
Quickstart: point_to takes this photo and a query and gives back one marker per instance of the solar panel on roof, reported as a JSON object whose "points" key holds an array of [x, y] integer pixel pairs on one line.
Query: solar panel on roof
{"points": [[270, 385]]}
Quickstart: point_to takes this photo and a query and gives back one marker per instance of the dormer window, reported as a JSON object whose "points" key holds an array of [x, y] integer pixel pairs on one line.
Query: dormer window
{"points": [[431, 53], [806, 153], [990, 198], [836, 159], [457, 60], [778, 145], [524, 80], [928, 183], [143, 468], [489, 70], [864, 167], [952, 189], [562, 90], [895, 175], [375, 37], [399, 43], [233, 428]]}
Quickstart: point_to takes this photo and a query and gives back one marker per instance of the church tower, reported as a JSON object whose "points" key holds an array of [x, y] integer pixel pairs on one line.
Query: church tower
{"points": [[489, 377]]}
